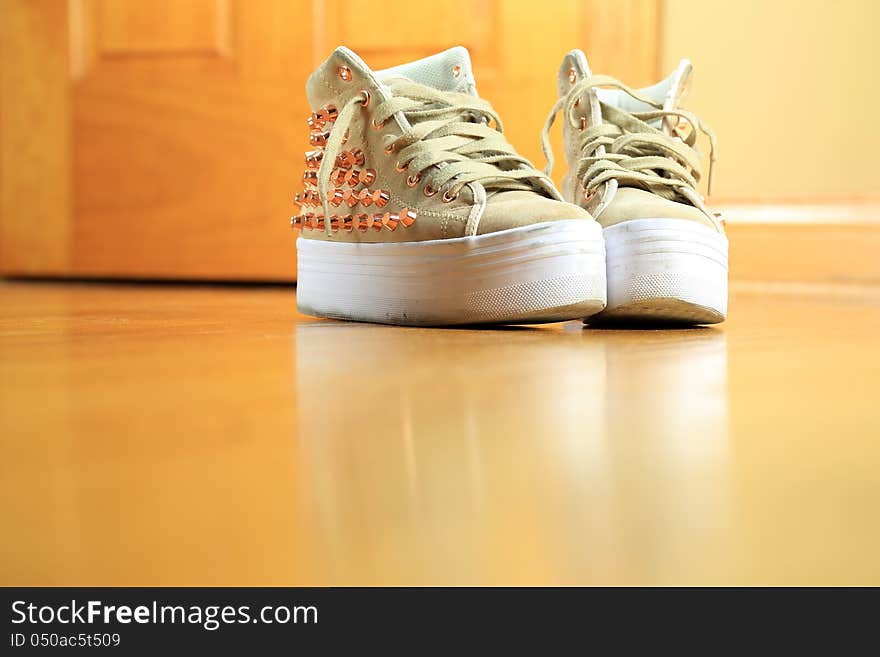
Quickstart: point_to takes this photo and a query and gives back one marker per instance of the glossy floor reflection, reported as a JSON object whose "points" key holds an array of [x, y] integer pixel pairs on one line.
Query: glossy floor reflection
{"points": [[174, 435]]}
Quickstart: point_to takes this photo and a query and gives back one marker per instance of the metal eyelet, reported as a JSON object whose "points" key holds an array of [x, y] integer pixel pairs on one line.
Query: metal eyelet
{"points": [[344, 73], [413, 180], [449, 198], [377, 126], [367, 98], [572, 75], [398, 168], [456, 71], [429, 191], [388, 150]]}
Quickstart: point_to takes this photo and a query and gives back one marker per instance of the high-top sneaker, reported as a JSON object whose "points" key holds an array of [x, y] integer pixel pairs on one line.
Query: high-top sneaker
{"points": [[633, 164], [416, 210]]}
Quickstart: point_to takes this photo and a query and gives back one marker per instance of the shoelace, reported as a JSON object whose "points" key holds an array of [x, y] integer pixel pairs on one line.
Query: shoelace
{"points": [[626, 148], [450, 144]]}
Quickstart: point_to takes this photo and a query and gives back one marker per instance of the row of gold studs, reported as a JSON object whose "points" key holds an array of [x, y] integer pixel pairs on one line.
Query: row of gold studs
{"points": [[361, 222], [340, 177], [352, 177], [345, 160], [349, 197]]}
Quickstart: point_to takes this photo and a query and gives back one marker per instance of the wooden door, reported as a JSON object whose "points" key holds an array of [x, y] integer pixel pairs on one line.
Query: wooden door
{"points": [[163, 139]]}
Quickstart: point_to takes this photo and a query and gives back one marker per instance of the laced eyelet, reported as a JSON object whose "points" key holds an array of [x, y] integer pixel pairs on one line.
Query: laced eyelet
{"points": [[398, 168], [413, 180], [388, 150], [377, 126], [367, 98], [449, 198], [429, 191]]}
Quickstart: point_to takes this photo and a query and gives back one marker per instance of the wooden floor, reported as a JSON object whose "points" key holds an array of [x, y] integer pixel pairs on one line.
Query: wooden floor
{"points": [[211, 435]]}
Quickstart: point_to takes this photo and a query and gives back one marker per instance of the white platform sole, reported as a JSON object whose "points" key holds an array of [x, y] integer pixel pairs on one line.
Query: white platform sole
{"points": [[544, 272], [665, 271]]}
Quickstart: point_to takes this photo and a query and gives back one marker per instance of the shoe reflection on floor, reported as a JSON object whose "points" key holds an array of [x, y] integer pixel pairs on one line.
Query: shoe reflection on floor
{"points": [[517, 455]]}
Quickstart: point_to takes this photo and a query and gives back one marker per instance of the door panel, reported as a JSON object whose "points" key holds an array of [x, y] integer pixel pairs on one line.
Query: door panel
{"points": [[34, 138], [172, 133], [162, 26], [185, 142]]}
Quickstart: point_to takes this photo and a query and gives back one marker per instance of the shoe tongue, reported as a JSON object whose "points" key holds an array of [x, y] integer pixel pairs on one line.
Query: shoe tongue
{"points": [[573, 69], [679, 85], [449, 70], [668, 93]]}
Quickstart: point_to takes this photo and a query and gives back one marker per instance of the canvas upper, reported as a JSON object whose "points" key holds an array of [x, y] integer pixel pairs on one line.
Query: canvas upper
{"points": [[411, 153]]}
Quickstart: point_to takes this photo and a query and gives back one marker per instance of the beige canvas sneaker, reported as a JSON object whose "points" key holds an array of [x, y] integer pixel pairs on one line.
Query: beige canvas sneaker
{"points": [[633, 164], [416, 210]]}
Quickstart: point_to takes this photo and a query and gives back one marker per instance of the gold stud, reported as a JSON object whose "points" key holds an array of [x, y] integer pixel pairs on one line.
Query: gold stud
{"points": [[344, 73], [310, 177], [389, 221], [351, 197], [337, 177], [337, 197], [351, 178], [368, 177], [313, 158], [366, 197], [358, 156], [363, 222], [407, 217], [319, 138], [345, 223], [381, 198]]}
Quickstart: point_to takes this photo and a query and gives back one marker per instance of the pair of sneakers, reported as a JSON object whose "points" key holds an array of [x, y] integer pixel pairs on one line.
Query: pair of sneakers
{"points": [[416, 210]]}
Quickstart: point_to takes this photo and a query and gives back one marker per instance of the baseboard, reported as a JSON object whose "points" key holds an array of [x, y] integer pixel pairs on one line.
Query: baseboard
{"points": [[828, 243]]}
